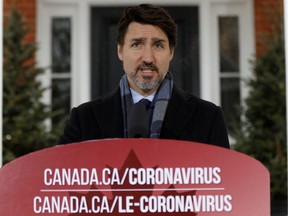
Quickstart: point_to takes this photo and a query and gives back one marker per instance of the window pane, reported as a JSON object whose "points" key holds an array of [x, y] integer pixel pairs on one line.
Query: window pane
{"points": [[61, 45], [61, 97], [229, 44], [230, 99]]}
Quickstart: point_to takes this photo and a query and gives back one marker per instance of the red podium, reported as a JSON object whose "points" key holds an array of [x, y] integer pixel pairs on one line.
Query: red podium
{"points": [[135, 177]]}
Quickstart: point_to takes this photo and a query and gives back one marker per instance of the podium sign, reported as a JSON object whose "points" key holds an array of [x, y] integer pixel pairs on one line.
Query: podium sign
{"points": [[135, 177]]}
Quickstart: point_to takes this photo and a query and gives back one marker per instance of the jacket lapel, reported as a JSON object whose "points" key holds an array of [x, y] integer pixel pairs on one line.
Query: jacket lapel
{"points": [[109, 116], [179, 112]]}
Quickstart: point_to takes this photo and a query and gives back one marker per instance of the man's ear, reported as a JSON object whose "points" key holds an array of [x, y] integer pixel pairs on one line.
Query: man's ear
{"points": [[172, 53], [120, 51]]}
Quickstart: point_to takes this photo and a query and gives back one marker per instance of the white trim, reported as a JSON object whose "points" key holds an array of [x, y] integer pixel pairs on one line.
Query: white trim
{"points": [[46, 10], [84, 71], [205, 51], [247, 45], [244, 11]]}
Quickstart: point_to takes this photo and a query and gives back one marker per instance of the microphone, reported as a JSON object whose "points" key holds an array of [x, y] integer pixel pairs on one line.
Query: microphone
{"points": [[138, 122]]}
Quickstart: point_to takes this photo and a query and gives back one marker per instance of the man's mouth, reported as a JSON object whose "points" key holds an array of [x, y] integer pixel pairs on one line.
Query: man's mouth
{"points": [[147, 70], [147, 73]]}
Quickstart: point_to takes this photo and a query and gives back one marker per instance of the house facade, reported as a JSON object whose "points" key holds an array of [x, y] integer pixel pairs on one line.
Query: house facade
{"points": [[217, 40]]}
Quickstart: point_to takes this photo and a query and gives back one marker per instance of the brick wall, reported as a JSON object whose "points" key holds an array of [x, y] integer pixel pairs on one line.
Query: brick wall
{"points": [[28, 11], [268, 14]]}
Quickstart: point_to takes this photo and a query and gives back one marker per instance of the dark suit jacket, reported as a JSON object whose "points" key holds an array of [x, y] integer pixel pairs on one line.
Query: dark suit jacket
{"points": [[187, 118]]}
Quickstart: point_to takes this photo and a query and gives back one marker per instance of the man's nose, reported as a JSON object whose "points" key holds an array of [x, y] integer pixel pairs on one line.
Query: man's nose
{"points": [[148, 55]]}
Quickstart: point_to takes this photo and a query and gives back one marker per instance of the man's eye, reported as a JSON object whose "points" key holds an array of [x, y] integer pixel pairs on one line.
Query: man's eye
{"points": [[159, 45], [135, 45]]}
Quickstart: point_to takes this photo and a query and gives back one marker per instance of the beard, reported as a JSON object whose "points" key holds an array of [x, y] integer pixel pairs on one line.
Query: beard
{"points": [[146, 82]]}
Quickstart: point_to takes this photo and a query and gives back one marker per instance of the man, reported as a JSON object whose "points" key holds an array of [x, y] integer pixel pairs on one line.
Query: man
{"points": [[146, 41]]}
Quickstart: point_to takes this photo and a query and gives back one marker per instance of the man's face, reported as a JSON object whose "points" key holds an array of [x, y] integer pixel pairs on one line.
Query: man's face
{"points": [[146, 56]]}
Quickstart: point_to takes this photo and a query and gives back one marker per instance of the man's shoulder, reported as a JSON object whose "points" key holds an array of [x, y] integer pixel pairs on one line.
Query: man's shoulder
{"points": [[110, 97], [191, 99]]}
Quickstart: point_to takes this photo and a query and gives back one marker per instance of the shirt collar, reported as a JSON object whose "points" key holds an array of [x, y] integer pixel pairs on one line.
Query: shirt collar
{"points": [[137, 97]]}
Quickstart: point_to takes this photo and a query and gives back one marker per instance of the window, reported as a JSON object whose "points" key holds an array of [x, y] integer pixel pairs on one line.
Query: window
{"points": [[229, 63], [61, 64], [232, 47]]}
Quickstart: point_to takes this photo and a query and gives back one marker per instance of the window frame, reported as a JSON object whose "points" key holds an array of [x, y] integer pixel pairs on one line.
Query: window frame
{"points": [[246, 46]]}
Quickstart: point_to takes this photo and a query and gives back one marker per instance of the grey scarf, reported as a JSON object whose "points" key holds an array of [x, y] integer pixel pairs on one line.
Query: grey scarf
{"points": [[161, 99]]}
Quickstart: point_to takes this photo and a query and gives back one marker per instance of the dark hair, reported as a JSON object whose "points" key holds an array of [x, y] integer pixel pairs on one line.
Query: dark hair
{"points": [[148, 14]]}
